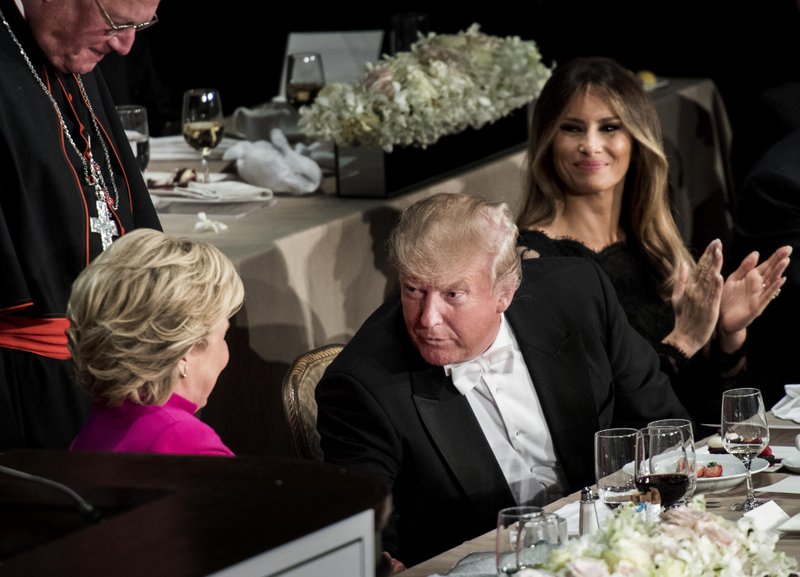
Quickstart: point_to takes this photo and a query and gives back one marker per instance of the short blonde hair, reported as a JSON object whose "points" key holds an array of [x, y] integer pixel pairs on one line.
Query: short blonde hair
{"points": [[139, 307], [434, 235]]}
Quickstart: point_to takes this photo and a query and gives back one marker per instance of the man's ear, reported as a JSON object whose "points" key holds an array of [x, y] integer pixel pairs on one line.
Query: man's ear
{"points": [[505, 293]]}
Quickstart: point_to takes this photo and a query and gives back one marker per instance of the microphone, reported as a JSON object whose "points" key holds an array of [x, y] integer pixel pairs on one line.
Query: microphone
{"points": [[88, 511]]}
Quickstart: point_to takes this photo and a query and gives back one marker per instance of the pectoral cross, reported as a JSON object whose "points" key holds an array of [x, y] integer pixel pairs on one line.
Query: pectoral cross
{"points": [[102, 224]]}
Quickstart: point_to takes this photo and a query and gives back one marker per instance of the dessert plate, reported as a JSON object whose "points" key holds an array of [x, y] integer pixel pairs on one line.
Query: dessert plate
{"points": [[733, 472]]}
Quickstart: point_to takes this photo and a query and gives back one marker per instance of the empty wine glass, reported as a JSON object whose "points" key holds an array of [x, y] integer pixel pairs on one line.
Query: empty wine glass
{"points": [[304, 78], [203, 126], [614, 454], [661, 463], [685, 425], [745, 433]]}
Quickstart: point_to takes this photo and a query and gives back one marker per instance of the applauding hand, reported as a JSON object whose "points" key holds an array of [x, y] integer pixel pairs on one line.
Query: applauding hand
{"points": [[747, 292], [696, 300]]}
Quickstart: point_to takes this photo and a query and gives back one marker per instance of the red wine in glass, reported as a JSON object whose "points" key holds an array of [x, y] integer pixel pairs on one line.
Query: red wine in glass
{"points": [[671, 487]]}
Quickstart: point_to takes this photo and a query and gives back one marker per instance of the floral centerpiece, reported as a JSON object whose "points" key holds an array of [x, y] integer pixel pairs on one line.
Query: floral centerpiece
{"points": [[446, 83], [687, 542]]}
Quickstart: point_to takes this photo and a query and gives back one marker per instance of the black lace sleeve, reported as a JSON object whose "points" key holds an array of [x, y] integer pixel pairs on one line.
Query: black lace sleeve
{"points": [[673, 360]]}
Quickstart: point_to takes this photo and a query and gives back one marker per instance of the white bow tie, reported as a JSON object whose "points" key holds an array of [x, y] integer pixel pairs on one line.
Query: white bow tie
{"points": [[468, 374]]}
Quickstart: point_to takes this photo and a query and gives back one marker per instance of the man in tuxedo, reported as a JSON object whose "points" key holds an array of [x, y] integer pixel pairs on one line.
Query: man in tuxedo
{"points": [[554, 361]]}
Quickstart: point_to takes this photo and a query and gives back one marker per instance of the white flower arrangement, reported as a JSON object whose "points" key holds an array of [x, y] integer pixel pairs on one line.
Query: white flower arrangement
{"points": [[687, 542], [445, 84]]}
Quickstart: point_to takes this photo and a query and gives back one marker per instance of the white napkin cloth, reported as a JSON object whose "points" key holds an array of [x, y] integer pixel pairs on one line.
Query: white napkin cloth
{"points": [[222, 191], [785, 485], [275, 165], [572, 513], [768, 516], [789, 406]]}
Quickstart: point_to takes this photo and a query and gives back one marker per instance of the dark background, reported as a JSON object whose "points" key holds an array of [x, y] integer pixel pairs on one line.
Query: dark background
{"points": [[744, 46]]}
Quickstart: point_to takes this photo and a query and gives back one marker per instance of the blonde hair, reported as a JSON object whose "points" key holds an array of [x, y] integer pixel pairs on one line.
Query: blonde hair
{"points": [[434, 235], [646, 210], [139, 307]]}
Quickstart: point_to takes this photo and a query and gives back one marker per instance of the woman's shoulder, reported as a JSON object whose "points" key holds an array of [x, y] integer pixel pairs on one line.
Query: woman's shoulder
{"points": [[544, 244]]}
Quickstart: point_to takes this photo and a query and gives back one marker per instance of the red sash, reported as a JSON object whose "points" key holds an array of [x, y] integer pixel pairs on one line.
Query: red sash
{"points": [[44, 337]]}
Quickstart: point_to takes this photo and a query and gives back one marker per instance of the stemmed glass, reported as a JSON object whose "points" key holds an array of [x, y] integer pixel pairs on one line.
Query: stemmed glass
{"points": [[661, 463], [614, 454], [685, 425], [203, 126], [304, 78], [745, 433]]}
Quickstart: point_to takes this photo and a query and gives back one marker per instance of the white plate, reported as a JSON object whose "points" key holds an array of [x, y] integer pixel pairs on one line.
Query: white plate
{"points": [[166, 175], [733, 472], [227, 191]]}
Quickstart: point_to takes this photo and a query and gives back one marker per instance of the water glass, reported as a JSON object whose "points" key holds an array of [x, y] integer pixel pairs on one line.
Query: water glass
{"points": [[685, 425], [614, 456], [525, 536], [134, 121]]}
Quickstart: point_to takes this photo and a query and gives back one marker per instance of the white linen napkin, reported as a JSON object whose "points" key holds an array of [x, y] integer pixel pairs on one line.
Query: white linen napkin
{"points": [[275, 165], [768, 516], [572, 513], [786, 485], [789, 406], [222, 191]]}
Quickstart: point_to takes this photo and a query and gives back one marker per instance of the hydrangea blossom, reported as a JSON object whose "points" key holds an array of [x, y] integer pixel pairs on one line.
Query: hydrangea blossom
{"points": [[445, 84], [687, 542]]}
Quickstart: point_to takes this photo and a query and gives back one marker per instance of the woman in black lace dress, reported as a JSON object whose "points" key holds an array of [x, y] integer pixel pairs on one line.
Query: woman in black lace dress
{"points": [[598, 189]]}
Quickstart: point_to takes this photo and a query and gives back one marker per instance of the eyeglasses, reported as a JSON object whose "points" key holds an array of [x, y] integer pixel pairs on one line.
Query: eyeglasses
{"points": [[115, 28]]}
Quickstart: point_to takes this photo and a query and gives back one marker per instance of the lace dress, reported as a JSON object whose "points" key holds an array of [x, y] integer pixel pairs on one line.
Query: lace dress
{"points": [[698, 381]]}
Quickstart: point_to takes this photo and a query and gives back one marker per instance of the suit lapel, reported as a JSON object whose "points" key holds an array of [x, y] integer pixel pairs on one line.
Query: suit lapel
{"points": [[563, 386], [455, 431]]}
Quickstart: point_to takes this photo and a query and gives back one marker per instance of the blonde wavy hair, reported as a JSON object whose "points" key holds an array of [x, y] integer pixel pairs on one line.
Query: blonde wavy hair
{"points": [[434, 235], [646, 210], [139, 307]]}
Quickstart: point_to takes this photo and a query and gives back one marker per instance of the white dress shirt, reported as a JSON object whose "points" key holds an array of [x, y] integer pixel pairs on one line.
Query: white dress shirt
{"points": [[509, 413]]}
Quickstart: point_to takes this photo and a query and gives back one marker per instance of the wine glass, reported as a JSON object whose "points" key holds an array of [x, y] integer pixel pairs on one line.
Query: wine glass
{"points": [[614, 454], [745, 433], [661, 463], [203, 126], [304, 78], [525, 537], [134, 122], [685, 425]]}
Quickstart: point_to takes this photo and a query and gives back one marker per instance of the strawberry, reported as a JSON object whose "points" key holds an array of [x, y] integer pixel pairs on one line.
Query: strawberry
{"points": [[713, 469]]}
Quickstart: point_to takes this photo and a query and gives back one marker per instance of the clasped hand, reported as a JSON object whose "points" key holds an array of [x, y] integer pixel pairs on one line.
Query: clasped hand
{"points": [[703, 302]]}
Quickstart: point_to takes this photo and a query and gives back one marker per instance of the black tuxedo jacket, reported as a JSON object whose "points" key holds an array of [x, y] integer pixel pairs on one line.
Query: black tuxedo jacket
{"points": [[384, 409]]}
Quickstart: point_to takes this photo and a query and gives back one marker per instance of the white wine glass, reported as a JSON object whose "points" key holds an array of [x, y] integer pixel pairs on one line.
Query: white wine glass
{"points": [[745, 433], [203, 126], [661, 463], [685, 425], [305, 77]]}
